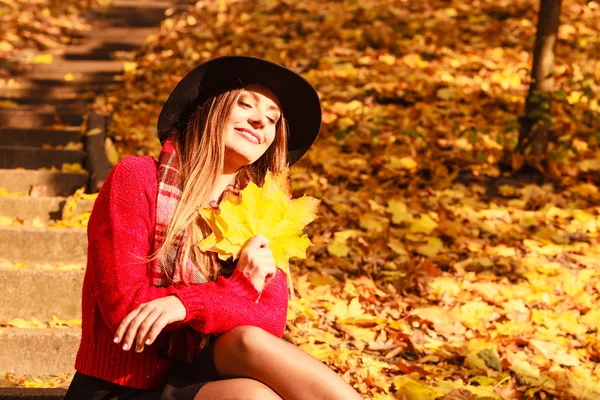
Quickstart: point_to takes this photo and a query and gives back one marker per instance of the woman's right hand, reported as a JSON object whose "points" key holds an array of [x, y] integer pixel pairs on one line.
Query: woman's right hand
{"points": [[257, 262]]}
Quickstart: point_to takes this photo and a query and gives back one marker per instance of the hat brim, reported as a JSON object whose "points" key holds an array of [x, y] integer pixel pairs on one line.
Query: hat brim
{"points": [[299, 100]]}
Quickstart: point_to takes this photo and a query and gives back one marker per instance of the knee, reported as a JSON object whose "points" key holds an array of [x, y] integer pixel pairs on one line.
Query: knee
{"points": [[237, 389], [246, 341], [249, 339], [259, 392]]}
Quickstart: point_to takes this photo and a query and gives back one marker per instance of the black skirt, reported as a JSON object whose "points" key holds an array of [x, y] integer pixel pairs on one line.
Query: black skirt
{"points": [[183, 383]]}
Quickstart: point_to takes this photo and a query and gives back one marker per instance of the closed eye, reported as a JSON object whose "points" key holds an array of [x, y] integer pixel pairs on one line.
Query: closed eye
{"points": [[275, 118]]}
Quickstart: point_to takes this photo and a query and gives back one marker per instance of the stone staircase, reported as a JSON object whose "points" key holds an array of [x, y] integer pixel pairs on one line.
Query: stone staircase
{"points": [[49, 112]]}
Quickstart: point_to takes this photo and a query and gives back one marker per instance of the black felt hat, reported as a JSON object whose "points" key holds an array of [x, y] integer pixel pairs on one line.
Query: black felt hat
{"points": [[299, 100]]}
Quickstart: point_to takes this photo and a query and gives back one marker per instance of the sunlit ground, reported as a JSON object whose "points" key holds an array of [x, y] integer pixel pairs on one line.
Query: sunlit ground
{"points": [[433, 270]]}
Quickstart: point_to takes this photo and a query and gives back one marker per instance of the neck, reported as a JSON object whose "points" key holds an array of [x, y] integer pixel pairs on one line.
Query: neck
{"points": [[222, 181]]}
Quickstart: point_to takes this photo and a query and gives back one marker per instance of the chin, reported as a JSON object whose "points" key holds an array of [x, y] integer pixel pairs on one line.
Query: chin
{"points": [[240, 159]]}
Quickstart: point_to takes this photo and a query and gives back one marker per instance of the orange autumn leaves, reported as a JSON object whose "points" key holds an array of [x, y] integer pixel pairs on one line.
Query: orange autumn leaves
{"points": [[485, 289]]}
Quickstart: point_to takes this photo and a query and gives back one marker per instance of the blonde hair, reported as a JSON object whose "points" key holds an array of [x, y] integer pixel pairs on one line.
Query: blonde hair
{"points": [[201, 153]]}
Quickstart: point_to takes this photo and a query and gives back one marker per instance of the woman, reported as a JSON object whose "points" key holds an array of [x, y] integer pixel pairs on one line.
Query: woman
{"points": [[164, 320]]}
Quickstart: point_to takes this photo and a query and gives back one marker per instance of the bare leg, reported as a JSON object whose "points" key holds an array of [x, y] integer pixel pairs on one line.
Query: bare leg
{"points": [[236, 389], [251, 352]]}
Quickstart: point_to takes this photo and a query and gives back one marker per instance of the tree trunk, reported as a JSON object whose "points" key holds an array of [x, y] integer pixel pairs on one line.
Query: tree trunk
{"points": [[535, 125]]}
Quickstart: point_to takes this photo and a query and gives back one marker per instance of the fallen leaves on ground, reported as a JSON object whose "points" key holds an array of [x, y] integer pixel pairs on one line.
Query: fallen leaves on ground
{"points": [[45, 381], [79, 221], [68, 146], [32, 30], [66, 167], [70, 217], [69, 220], [4, 192], [434, 274], [53, 322], [46, 266]]}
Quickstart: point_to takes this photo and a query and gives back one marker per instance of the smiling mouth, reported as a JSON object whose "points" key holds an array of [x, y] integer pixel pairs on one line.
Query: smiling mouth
{"points": [[248, 136]]}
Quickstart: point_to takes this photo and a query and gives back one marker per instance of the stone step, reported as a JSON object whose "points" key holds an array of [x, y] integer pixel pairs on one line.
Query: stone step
{"points": [[109, 32], [38, 137], [28, 118], [57, 183], [133, 14], [36, 157], [50, 107], [96, 81], [47, 208], [80, 69], [43, 245], [51, 89], [101, 45], [43, 90], [38, 351], [32, 394], [40, 293], [40, 101], [100, 51]]}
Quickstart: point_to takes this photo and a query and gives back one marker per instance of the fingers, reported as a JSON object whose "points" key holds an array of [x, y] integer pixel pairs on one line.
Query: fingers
{"points": [[261, 256], [141, 326], [263, 260], [124, 325], [135, 326], [141, 337], [257, 258], [157, 327], [258, 241], [256, 261]]}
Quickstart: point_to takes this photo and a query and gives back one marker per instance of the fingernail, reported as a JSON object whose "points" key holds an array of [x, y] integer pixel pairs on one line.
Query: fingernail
{"points": [[116, 339], [125, 347], [147, 341], [138, 349]]}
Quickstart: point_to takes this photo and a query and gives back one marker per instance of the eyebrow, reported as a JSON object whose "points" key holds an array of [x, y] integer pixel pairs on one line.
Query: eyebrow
{"points": [[271, 107]]}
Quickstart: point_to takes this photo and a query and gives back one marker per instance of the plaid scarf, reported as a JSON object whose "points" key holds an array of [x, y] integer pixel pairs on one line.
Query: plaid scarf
{"points": [[170, 270]]}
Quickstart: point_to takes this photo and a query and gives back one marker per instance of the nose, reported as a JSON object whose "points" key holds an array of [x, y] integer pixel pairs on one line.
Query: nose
{"points": [[257, 119]]}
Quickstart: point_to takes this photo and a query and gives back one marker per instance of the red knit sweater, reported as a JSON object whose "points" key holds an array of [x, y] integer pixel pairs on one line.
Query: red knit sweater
{"points": [[120, 230]]}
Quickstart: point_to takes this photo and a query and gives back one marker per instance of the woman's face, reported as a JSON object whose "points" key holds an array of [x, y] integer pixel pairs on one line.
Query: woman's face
{"points": [[250, 128]]}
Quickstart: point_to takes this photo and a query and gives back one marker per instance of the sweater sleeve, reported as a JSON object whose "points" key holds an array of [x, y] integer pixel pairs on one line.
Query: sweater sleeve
{"points": [[269, 313], [120, 233]]}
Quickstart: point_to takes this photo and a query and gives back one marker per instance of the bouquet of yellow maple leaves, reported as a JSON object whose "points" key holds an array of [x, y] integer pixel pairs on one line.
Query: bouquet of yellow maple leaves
{"points": [[269, 211]]}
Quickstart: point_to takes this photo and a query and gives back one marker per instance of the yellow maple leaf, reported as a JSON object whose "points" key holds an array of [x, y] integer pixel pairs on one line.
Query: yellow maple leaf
{"points": [[338, 248], [372, 222], [71, 203], [269, 211], [6, 221], [425, 225], [347, 311], [56, 322], [399, 211], [43, 59], [404, 163], [433, 246], [414, 390], [319, 351], [72, 167]]}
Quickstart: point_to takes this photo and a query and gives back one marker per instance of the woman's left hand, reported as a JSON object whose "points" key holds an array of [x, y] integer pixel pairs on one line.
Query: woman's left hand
{"points": [[143, 324]]}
